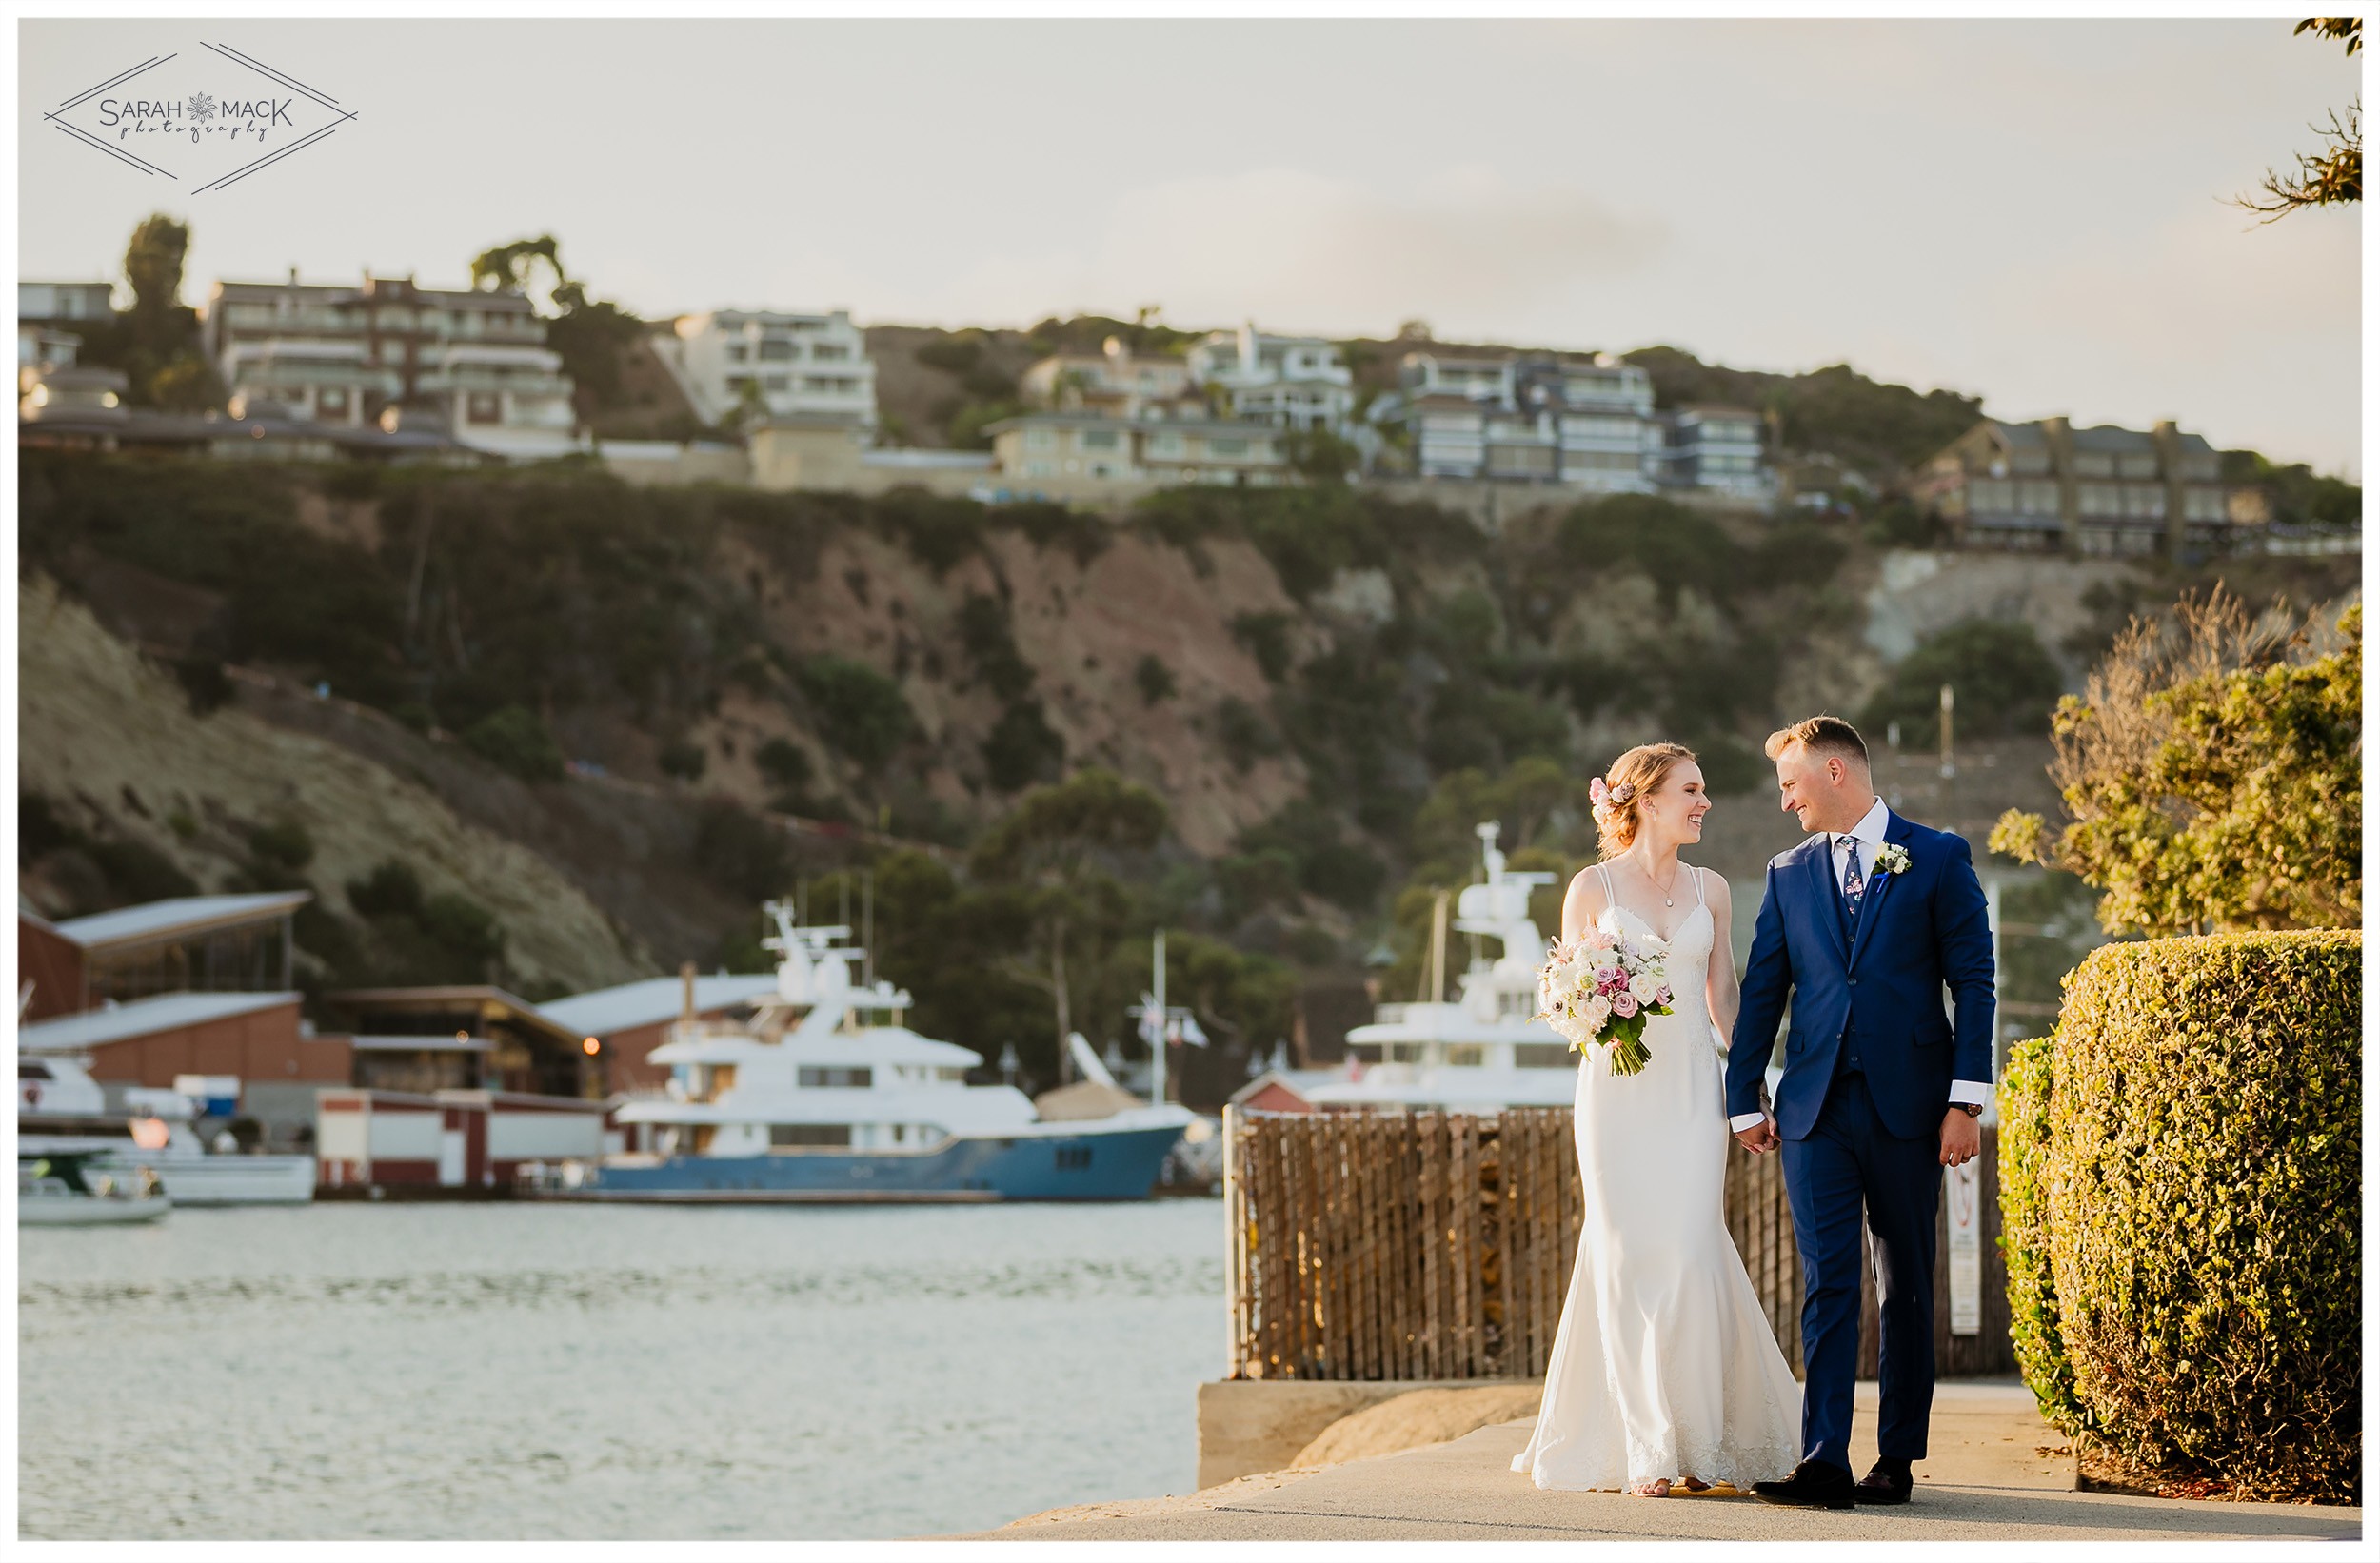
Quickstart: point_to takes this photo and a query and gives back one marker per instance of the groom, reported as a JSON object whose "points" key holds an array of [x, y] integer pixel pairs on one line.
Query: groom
{"points": [[1863, 923]]}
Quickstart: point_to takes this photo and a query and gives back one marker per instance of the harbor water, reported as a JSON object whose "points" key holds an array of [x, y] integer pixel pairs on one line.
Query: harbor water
{"points": [[523, 1370]]}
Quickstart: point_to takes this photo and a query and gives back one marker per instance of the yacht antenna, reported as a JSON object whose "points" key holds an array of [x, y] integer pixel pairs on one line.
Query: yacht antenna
{"points": [[868, 926]]}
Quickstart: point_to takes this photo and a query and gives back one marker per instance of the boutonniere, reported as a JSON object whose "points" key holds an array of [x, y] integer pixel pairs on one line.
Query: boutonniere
{"points": [[1892, 859]]}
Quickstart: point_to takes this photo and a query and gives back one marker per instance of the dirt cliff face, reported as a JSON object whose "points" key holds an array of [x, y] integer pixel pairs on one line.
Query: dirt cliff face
{"points": [[1081, 627], [110, 741]]}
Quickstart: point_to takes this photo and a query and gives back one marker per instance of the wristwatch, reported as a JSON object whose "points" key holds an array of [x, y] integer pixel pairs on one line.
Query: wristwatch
{"points": [[1972, 1108]]}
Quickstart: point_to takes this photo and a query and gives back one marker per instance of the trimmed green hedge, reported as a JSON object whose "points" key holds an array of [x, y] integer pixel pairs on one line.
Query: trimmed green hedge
{"points": [[2200, 1181], [2025, 1237]]}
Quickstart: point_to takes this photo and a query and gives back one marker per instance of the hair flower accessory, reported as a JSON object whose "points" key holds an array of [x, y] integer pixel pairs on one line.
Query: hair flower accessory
{"points": [[1891, 859]]}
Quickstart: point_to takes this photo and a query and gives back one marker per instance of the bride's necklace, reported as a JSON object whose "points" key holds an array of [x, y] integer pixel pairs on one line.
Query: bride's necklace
{"points": [[1663, 889]]}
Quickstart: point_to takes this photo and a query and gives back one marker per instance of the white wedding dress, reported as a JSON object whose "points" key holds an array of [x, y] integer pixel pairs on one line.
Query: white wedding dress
{"points": [[1664, 1365]]}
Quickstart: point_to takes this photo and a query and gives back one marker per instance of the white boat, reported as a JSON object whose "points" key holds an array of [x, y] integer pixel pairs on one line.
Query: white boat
{"points": [[61, 1109], [823, 1094], [1478, 1051], [72, 1189]]}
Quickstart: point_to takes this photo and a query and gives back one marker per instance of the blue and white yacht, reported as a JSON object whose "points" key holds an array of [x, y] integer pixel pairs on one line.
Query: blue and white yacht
{"points": [[822, 1095]]}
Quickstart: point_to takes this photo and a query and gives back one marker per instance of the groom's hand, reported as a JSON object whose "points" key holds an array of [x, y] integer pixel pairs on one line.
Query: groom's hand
{"points": [[1760, 1138], [1962, 1138]]}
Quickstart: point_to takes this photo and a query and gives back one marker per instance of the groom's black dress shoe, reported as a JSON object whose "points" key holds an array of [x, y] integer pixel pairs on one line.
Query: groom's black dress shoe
{"points": [[1815, 1484], [1886, 1481]]}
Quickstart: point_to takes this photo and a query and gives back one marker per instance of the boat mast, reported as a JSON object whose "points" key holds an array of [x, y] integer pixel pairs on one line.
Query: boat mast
{"points": [[1157, 1048]]}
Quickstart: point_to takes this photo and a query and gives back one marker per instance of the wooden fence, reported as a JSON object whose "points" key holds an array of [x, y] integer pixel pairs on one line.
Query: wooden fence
{"points": [[1440, 1245]]}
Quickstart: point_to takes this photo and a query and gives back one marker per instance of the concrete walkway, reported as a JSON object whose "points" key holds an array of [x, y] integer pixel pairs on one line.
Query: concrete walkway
{"points": [[1992, 1477]]}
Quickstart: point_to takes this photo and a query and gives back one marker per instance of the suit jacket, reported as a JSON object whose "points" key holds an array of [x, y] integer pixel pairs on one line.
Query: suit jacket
{"points": [[1877, 996]]}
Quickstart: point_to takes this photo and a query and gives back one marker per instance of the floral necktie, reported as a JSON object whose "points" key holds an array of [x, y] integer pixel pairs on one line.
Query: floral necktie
{"points": [[1853, 884]]}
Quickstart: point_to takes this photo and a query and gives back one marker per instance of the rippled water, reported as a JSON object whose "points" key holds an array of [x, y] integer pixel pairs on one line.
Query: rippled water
{"points": [[579, 1371]]}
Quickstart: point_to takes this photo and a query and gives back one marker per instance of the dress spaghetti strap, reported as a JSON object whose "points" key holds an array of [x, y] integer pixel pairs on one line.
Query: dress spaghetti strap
{"points": [[1610, 898], [1698, 874]]}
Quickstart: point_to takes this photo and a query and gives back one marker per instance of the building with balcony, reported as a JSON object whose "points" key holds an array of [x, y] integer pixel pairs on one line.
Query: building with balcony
{"points": [[1060, 452], [2050, 486], [1113, 383], [1293, 382], [341, 357], [49, 316], [1586, 423], [770, 363], [1717, 450]]}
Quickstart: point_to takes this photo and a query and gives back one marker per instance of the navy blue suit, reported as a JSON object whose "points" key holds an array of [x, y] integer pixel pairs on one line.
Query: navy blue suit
{"points": [[1868, 1062]]}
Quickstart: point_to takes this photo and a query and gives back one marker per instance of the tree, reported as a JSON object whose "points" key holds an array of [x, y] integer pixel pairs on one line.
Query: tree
{"points": [[588, 334], [152, 264], [2211, 774], [155, 342], [1050, 852], [2334, 176], [2002, 679]]}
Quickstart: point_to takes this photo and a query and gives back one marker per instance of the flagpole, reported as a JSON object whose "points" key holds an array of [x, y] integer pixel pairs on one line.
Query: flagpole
{"points": [[1156, 1047]]}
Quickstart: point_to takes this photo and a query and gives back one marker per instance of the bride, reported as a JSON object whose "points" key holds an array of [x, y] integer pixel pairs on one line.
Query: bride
{"points": [[1664, 1370]]}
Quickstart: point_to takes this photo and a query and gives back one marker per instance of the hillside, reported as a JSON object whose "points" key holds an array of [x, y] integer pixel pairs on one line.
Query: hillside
{"points": [[1323, 688]]}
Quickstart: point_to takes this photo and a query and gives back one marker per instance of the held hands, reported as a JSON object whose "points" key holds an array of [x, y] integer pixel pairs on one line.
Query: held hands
{"points": [[1761, 1138], [1962, 1138]]}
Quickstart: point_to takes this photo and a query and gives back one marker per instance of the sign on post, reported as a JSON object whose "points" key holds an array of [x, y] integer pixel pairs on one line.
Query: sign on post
{"points": [[1962, 1190]]}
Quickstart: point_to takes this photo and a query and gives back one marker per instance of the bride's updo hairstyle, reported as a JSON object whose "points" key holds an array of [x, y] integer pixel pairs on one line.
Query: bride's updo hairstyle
{"points": [[1619, 793]]}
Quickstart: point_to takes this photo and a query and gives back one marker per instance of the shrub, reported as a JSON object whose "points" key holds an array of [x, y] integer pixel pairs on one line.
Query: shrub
{"points": [[1244, 734], [391, 887], [2025, 1237], [984, 629], [2204, 1197], [205, 684], [463, 926], [511, 738], [1023, 748], [282, 843], [861, 711], [785, 764], [1266, 638], [1153, 679], [2212, 777], [684, 759]]}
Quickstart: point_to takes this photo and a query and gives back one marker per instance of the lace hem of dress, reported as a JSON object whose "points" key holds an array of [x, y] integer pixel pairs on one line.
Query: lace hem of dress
{"points": [[1717, 1464]]}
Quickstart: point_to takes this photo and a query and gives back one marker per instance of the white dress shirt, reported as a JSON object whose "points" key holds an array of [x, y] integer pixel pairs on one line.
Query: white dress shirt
{"points": [[1868, 833]]}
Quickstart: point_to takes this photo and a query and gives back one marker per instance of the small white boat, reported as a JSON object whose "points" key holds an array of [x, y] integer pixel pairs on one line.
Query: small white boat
{"points": [[70, 1189], [61, 1109]]}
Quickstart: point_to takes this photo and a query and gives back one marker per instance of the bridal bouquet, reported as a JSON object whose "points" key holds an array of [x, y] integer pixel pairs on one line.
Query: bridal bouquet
{"points": [[1601, 988]]}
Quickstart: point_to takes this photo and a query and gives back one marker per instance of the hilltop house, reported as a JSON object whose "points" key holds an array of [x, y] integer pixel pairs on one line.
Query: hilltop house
{"points": [[391, 354], [1294, 382], [2048, 485], [1060, 455], [1587, 422], [780, 365], [1113, 383]]}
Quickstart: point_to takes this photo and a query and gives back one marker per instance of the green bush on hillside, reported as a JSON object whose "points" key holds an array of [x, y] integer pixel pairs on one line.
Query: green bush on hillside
{"points": [[861, 711], [511, 738], [1023, 748], [2202, 1182]]}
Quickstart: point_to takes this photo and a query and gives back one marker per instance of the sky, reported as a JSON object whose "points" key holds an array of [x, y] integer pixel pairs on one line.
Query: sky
{"points": [[2035, 213]]}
